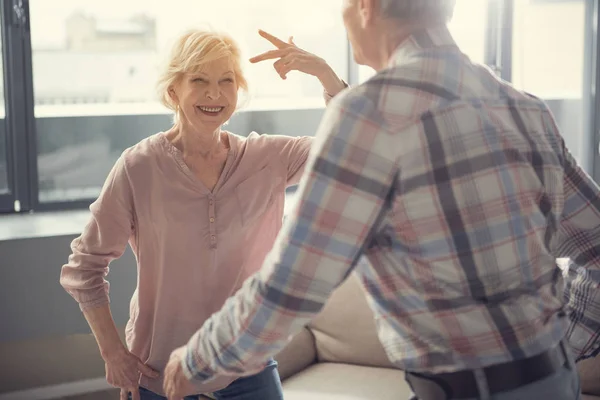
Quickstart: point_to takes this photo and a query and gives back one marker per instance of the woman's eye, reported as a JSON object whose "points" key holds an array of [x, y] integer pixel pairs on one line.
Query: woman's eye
{"points": [[228, 80]]}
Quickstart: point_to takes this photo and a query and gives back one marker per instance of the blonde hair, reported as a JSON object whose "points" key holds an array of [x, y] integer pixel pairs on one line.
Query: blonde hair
{"points": [[193, 51]]}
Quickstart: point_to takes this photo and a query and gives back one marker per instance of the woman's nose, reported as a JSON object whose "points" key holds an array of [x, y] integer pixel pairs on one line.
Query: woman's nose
{"points": [[213, 92]]}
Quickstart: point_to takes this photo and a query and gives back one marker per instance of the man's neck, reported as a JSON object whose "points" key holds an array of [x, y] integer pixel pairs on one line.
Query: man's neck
{"points": [[393, 34]]}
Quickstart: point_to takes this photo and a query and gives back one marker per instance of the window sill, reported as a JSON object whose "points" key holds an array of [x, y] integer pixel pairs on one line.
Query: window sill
{"points": [[42, 224], [114, 109], [60, 223]]}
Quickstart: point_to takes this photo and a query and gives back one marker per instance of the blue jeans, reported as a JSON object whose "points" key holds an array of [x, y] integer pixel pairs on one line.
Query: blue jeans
{"points": [[562, 385], [265, 385]]}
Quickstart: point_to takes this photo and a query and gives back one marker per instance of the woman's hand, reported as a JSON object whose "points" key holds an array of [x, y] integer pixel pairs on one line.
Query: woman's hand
{"points": [[292, 58], [123, 371]]}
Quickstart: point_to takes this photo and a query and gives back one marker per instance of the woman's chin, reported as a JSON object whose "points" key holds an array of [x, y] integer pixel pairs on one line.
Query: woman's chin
{"points": [[203, 125], [211, 121]]}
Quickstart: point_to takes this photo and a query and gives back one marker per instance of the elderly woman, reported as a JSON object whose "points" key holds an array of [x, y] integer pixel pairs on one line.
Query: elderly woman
{"points": [[200, 208]]}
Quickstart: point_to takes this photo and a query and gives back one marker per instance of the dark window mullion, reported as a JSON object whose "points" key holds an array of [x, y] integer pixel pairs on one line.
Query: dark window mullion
{"points": [[7, 200], [591, 88], [15, 34], [29, 116]]}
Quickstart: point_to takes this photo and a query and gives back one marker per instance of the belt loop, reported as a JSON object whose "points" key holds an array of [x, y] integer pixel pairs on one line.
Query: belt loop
{"points": [[482, 384]]}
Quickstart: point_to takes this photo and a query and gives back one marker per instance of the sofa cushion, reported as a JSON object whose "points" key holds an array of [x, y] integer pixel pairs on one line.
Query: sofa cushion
{"points": [[299, 353], [589, 374], [331, 381], [345, 329]]}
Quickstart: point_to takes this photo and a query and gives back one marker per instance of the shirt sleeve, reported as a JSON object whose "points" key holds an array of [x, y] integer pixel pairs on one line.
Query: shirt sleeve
{"points": [[104, 239], [293, 153], [327, 97], [343, 194], [579, 242]]}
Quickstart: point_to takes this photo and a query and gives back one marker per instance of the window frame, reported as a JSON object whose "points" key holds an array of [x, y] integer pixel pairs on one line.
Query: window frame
{"points": [[592, 84], [20, 122], [18, 102]]}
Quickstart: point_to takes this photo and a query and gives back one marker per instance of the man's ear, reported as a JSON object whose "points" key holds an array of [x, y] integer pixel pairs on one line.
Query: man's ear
{"points": [[367, 10]]}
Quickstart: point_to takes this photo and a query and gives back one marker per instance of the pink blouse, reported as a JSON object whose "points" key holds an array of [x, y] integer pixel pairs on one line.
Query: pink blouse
{"points": [[194, 248]]}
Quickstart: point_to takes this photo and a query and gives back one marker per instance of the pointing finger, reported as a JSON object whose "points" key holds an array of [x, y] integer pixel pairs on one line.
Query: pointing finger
{"points": [[269, 55], [280, 44]]}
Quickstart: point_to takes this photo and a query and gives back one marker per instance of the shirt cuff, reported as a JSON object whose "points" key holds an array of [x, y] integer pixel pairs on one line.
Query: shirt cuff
{"points": [[328, 96], [103, 301], [193, 370]]}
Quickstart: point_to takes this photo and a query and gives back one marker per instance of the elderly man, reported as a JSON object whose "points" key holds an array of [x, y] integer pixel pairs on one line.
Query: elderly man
{"points": [[461, 193]]}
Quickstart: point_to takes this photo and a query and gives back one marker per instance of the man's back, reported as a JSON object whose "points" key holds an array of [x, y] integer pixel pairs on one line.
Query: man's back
{"points": [[463, 259], [460, 191]]}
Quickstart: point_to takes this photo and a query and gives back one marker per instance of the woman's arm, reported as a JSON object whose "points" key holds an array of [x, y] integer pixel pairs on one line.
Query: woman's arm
{"points": [[105, 331], [104, 239], [290, 152], [292, 58]]}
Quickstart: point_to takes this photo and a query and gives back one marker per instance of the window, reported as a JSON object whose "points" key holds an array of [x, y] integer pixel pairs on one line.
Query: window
{"points": [[103, 57], [3, 165], [549, 60], [468, 27], [10, 184], [541, 52], [4, 187], [95, 65], [79, 77]]}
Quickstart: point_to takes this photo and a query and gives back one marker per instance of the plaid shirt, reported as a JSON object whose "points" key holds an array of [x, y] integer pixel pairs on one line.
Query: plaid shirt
{"points": [[460, 192]]}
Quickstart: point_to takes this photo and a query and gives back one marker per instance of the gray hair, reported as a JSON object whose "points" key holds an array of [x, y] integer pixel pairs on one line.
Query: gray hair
{"points": [[417, 9]]}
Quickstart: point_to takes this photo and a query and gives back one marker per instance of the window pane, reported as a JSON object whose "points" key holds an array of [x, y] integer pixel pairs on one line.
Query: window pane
{"points": [[548, 61], [4, 188], [467, 26], [3, 163], [96, 63]]}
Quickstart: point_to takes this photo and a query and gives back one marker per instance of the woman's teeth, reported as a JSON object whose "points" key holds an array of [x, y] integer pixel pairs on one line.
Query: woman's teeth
{"points": [[211, 109]]}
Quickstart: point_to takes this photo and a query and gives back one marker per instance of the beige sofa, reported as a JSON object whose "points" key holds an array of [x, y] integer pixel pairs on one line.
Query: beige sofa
{"points": [[338, 357]]}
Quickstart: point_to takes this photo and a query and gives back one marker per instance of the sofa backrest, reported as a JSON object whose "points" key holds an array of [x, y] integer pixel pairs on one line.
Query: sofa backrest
{"points": [[345, 330]]}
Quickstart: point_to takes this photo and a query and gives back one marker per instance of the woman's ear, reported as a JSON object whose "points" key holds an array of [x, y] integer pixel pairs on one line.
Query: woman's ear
{"points": [[173, 95]]}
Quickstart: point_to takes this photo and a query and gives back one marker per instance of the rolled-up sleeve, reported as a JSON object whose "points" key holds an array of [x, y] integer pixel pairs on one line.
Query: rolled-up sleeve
{"points": [[103, 239], [579, 242], [579, 231]]}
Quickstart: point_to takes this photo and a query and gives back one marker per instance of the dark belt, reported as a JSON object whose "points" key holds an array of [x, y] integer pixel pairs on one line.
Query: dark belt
{"points": [[500, 378]]}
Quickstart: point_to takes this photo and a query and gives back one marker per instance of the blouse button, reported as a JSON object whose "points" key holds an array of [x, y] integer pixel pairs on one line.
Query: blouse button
{"points": [[212, 220]]}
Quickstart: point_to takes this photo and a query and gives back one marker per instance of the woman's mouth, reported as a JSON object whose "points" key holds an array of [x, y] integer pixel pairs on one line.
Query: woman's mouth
{"points": [[212, 111]]}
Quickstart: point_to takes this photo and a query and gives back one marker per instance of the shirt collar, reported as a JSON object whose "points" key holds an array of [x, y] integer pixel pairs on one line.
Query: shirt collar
{"points": [[419, 41]]}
